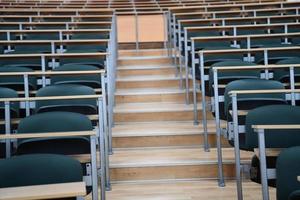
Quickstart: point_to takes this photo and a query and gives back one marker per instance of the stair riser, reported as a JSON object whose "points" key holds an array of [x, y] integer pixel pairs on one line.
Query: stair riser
{"points": [[176, 97], [149, 84], [158, 116], [156, 61], [165, 141], [143, 53], [142, 72], [204, 171]]}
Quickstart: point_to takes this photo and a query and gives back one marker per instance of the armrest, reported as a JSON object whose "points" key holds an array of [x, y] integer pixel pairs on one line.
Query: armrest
{"points": [[50, 191], [47, 135]]}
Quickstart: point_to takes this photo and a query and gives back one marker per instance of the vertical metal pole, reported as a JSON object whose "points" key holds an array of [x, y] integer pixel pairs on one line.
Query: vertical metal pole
{"points": [[174, 41], [43, 64], [194, 85], [107, 138], [292, 85], [104, 165], [187, 89], [136, 32], [218, 130], [237, 147], [180, 56], [263, 164], [204, 117], [26, 93], [7, 128], [165, 30], [94, 167], [266, 61]]}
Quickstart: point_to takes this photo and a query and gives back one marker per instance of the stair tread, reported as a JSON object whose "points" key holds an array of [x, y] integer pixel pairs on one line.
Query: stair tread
{"points": [[142, 57], [184, 190], [172, 157], [159, 129], [140, 67], [148, 78], [145, 91], [153, 107]]}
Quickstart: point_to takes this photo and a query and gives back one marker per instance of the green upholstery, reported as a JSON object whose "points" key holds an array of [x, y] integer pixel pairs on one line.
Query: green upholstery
{"points": [[89, 36], [287, 170], [54, 122], [274, 138], [284, 74], [250, 101], [16, 82], [295, 195], [85, 106], [39, 169], [92, 80], [42, 36], [14, 106], [31, 62], [227, 76], [32, 48]]}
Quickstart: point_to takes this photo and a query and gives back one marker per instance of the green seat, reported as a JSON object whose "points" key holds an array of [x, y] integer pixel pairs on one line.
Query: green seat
{"points": [[42, 36], [14, 106], [89, 36], [85, 106], [54, 122], [283, 75], [27, 48], [251, 101], [274, 138], [92, 80], [30, 62], [287, 170], [226, 76], [39, 169], [14, 112], [16, 82]]}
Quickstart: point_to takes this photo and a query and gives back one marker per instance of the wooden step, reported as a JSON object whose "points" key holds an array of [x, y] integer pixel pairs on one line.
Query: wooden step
{"points": [[139, 95], [141, 60], [184, 190], [162, 134], [162, 111], [143, 52], [171, 163], [137, 70], [150, 81]]}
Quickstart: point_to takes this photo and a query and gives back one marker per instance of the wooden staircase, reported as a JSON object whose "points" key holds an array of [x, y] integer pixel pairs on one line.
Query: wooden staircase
{"points": [[154, 139]]}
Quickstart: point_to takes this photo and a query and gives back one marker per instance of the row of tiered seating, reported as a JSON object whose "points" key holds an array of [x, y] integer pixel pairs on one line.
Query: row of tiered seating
{"points": [[248, 66], [56, 90]]}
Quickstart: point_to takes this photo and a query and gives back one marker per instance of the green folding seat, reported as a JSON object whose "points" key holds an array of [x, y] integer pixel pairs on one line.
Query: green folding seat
{"points": [[273, 138], [250, 31], [49, 26], [9, 27], [251, 101], [227, 76], [91, 80], [14, 112], [14, 107], [39, 169], [283, 75], [27, 48], [85, 106], [17, 82], [287, 171], [265, 42], [90, 36], [54, 122], [42, 36], [29, 62]]}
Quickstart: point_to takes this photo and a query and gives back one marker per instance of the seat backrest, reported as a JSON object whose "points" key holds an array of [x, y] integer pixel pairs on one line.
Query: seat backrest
{"points": [[85, 106], [92, 80], [274, 138], [14, 106], [39, 169], [251, 101], [281, 74], [287, 170], [16, 82]]}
